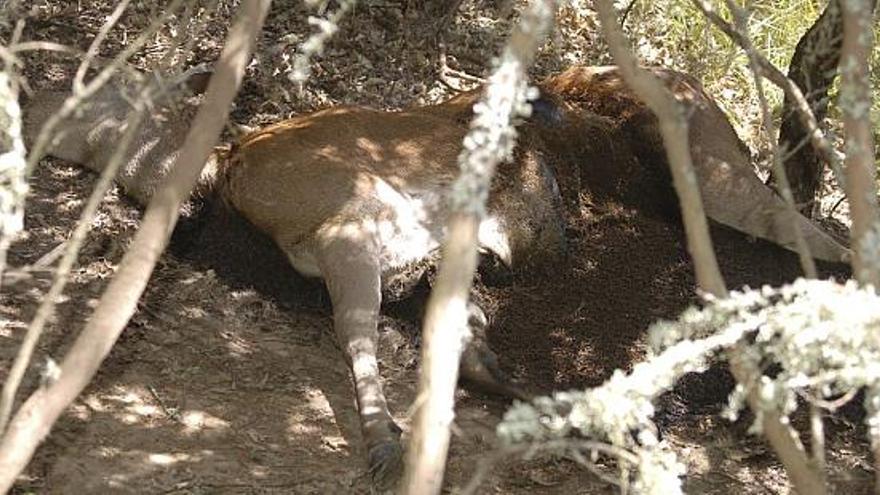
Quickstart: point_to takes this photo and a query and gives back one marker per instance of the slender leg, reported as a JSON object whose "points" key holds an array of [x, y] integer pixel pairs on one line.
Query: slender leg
{"points": [[353, 279]]}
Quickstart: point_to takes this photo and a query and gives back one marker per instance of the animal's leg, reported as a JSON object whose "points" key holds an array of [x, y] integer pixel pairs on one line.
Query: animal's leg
{"points": [[352, 274], [479, 364]]}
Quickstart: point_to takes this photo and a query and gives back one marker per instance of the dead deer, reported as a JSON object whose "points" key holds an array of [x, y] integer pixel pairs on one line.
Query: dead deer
{"points": [[356, 196]]}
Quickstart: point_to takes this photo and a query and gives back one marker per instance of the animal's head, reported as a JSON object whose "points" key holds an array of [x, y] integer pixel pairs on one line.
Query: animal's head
{"points": [[526, 209], [96, 123], [75, 137], [93, 133]]}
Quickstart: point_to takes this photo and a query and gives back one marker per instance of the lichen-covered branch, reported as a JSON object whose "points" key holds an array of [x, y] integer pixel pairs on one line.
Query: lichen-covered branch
{"points": [[13, 182], [491, 140], [861, 172], [39, 412], [809, 328]]}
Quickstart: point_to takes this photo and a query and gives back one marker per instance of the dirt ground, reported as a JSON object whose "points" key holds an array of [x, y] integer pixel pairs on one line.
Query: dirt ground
{"points": [[228, 379]]}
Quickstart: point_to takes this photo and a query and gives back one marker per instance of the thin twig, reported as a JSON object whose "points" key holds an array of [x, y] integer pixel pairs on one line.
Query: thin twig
{"points": [[106, 74], [446, 71], [96, 45], [784, 187], [837, 204], [591, 467], [791, 90], [572, 446], [170, 412], [48, 46], [9, 58], [17, 31], [49, 258], [626, 11]]}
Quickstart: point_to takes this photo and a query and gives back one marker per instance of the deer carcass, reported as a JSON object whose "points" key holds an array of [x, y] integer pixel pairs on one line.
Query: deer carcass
{"points": [[357, 196]]}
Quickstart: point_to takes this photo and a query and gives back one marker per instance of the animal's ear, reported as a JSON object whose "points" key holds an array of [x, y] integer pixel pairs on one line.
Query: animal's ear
{"points": [[546, 111]]}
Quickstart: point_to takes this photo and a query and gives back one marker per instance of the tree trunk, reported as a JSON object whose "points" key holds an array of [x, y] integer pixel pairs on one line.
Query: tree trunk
{"points": [[813, 68]]}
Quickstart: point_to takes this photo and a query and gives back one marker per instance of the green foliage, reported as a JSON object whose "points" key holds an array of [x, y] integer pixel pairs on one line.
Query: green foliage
{"points": [[675, 34]]}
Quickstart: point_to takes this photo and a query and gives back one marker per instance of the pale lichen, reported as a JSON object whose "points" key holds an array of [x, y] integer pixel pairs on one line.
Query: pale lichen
{"points": [[492, 134], [822, 338], [314, 44]]}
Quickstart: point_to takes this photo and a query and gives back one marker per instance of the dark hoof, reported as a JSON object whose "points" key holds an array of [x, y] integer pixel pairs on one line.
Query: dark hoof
{"points": [[386, 465], [479, 367]]}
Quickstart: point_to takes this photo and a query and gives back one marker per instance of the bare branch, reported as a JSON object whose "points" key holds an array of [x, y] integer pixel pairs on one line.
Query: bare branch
{"points": [[48, 46], [490, 140], [9, 54], [35, 418], [674, 128]]}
